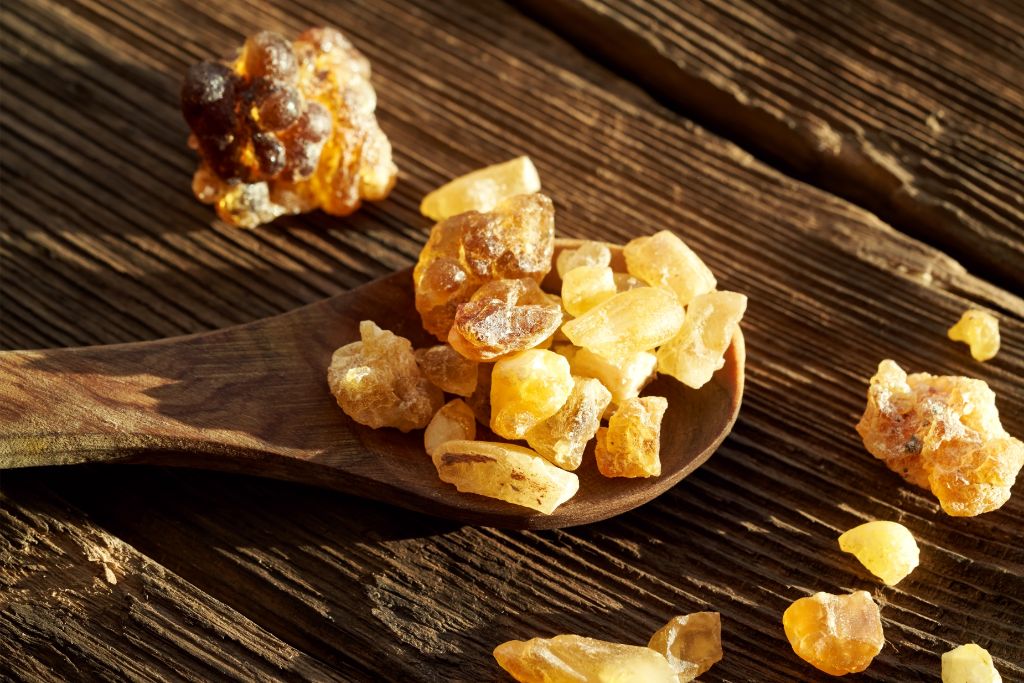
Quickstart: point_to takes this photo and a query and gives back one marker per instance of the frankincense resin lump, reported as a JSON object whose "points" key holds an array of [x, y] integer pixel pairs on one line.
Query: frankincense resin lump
{"points": [[942, 433], [448, 369], [631, 444], [287, 128], [564, 436], [838, 634], [692, 644], [503, 317], [482, 189], [887, 549], [377, 382], [453, 422], [969, 663], [980, 331], [576, 659], [526, 389]]}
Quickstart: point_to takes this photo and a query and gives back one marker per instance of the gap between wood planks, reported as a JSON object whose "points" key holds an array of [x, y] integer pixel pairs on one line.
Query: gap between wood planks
{"points": [[852, 169]]}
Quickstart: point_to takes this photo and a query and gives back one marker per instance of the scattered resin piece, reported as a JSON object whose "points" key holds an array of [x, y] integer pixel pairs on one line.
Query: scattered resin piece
{"points": [[453, 422], [482, 190], [575, 659], [699, 349], [514, 241], [448, 369], [625, 378], [887, 549], [503, 317], [563, 437], [664, 260], [838, 634], [942, 433], [629, 322], [980, 331], [584, 287], [692, 644], [969, 664], [587, 254], [480, 400], [287, 128], [505, 471], [631, 445], [625, 282], [377, 382], [526, 389]]}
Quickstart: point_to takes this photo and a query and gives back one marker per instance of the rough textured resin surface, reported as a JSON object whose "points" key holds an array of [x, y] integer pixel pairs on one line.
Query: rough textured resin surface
{"points": [[563, 437], [969, 663], [887, 549], [942, 433], [838, 634], [631, 445], [692, 644], [980, 331], [482, 190], [526, 389], [575, 659], [587, 254], [584, 287], [287, 128], [624, 377], [448, 369], [503, 317], [453, 422], [480, 400], [698, 350], [377, 382], [516, 240], [504, 471], [629, 322], [664, 260]]}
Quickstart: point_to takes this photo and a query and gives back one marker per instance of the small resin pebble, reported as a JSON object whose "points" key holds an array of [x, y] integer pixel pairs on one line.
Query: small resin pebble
{"points": [[631, 444], [886, 549], [448, 369], [482, 190], [503, 317], [587, 254], [453, 422], [584, 287], [563, 437], [625, 378], [664, 260], [838, 634], [692, 644], [694, 354], [526, 389], [629, 322], [980, 331], [942, 433], [969, 664], [504, 471], [575, 659]]}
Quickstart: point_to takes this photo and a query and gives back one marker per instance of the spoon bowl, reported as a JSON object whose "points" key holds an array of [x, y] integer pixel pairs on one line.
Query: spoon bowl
{"points": [[254, 399]]}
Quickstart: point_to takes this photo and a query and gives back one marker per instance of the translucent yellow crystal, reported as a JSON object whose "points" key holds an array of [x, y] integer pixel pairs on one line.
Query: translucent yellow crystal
{"points": [[482, 189], [969, 664], [453, 422], [563, 437], [838, 634], [625, 377], [625, 281], [575, 659], [527, 388], [698, 350], [584, 287], [980, 331], [664, 260], [887, 549], [587, 254], [631, 445], [692, 644], [500, 470], [629, 322]]}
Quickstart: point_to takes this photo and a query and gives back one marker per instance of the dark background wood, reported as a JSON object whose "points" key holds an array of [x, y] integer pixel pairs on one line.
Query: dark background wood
{"points": [[226, 576]]}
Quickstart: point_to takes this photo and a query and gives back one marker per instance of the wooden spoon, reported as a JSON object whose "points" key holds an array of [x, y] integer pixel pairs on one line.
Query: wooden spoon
{"points": [[254, 399]]}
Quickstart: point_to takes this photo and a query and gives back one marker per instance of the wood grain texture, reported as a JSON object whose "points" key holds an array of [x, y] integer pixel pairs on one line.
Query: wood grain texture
{"points": [[106, 245], [910, 109]]}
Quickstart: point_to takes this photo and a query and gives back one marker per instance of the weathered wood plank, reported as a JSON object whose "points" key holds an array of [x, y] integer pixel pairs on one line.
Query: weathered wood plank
{"points": [[911, 109], [362, 587]]}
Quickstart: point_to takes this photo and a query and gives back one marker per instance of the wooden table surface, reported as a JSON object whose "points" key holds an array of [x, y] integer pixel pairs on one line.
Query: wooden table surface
{"points": [[856, 168]]}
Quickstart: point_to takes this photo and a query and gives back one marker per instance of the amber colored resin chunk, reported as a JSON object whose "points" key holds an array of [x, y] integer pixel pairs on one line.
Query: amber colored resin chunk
{"points": [[980, 331], [631, 445], [453, 422], [838, 634], [664, 260], [887, 549], [526, 389], [584, 287], [504, 471], [377, 382], [692, 644], [969, 663], [287, 128], [625, 377], [699, 349], [503, 317], [587, 254], [575, 659], [629, 322], [482, 189], [480, 400], [514, 241], [448, 369], [563, 437], [942, 433]]}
